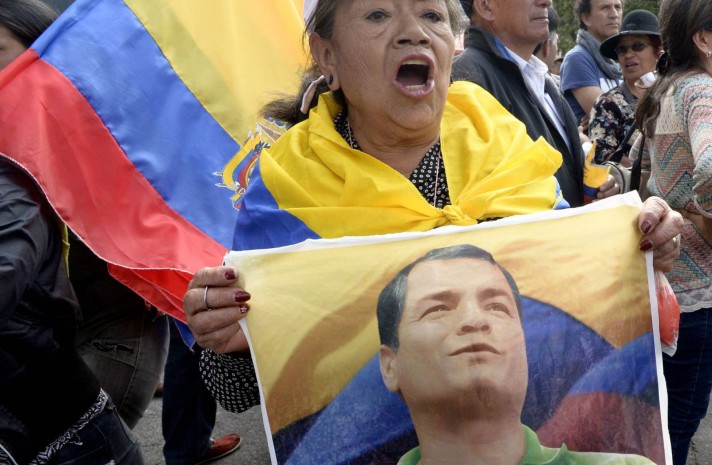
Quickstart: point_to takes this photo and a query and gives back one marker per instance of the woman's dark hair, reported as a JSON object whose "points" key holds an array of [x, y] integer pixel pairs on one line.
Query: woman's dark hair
{"points": [[679, 21], [26, 19], [287, 108]]}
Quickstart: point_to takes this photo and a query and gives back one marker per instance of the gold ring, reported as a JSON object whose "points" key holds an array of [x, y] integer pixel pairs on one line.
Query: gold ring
{"points": [[205, 299]]}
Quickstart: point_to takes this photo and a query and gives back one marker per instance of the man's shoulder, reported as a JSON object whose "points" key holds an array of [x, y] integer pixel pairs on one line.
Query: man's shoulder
{"points": [[602, 458], [579, 69], [577, 60], [577, 54], [537, 453], [488, 70], [412, 457], [474, 64], [15, 184]]}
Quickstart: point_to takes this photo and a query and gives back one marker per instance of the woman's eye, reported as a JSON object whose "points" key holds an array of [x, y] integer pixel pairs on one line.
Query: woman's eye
{"points": [[377, 15], [434, 16]]}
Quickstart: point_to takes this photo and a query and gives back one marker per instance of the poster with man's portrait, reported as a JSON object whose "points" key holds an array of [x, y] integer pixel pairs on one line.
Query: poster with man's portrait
{"points": [[533, 339]]}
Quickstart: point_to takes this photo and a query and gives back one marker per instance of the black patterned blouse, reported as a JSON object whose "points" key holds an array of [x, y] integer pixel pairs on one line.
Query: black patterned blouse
{"points": [[611, 116], [430, 170]]}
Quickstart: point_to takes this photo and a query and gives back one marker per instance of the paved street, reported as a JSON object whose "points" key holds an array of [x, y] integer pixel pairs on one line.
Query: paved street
{"points": [[701, 450], [253, 450], [254, 447]]}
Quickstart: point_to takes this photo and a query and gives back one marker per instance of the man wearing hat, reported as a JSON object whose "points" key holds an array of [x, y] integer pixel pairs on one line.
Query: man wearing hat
{"points": [[637, 48]]}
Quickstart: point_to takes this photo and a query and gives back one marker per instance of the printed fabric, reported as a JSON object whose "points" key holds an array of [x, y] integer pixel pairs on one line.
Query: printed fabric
{"points": [[611, 117], [681, 165]]}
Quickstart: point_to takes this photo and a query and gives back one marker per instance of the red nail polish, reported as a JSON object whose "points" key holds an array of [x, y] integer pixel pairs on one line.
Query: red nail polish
{"points": [[242, 296], [645, 227], [230, 274], [646, 245]]}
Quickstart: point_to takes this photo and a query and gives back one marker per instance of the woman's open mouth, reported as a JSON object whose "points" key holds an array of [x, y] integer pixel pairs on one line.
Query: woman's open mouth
{"points": [[414, 76]]}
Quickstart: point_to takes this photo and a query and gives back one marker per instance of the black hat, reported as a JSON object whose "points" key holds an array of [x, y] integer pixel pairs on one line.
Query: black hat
{"points": [[637, 22]]}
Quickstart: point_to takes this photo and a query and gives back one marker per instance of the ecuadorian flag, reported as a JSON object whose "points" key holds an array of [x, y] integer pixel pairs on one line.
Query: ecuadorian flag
{"points": [[125, 112]]}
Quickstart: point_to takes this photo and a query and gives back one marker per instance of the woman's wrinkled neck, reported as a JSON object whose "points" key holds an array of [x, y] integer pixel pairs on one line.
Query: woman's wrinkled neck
{"points": [[400, 148]]}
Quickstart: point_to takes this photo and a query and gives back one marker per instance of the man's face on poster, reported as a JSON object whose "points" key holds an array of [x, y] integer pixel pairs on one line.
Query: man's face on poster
{"points": [[460, 334]]}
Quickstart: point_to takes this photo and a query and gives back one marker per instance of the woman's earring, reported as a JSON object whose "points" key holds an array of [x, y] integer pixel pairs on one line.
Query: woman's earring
{"points": [[709, 53], [330, 81]]}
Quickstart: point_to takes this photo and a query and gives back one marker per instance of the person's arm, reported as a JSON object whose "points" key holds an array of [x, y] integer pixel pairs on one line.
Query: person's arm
{"points": [[586, 97], [25, 231], [698, 102], [579, 75], [604, 129], [706, 228]]}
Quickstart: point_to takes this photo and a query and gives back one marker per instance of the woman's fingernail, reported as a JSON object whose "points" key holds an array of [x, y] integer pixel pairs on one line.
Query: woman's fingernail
{"points": [[646, 245], [242, 296], [244, 308], [645, 227], [230, 274]]}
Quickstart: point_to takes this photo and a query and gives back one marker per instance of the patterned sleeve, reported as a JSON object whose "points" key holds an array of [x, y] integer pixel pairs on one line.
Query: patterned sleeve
{"points": [[640, 148], [698, 122], [607, 127]]}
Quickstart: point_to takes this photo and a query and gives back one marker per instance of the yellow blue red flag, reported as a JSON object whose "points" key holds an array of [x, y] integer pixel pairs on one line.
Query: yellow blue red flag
{"points": [[126, 111]]}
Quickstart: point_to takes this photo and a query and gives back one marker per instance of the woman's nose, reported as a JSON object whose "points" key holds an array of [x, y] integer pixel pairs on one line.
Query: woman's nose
{"points": [[411, 32]]}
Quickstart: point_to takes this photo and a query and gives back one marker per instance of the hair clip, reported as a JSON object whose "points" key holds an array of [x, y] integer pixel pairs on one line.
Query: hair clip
{"points": [[309, 94]]}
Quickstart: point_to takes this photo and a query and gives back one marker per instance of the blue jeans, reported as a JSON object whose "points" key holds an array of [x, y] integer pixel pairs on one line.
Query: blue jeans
{"points": [[106, 439], [189, 410], [688, 375]]}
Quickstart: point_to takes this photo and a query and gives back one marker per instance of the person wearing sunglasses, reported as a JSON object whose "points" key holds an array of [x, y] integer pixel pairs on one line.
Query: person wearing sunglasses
{"points": [[637, 48]]}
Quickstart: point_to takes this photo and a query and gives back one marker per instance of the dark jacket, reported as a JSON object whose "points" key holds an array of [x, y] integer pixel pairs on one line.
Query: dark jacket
{"points": [[482, 63], [45, 386]]}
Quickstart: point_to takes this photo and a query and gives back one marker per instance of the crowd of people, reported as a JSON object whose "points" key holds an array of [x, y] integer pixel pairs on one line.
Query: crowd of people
{"points": [[380, 101]]}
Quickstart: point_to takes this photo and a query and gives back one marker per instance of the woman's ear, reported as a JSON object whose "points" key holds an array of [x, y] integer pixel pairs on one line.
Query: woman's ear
{"points": [[703, 42], [323, 53]]}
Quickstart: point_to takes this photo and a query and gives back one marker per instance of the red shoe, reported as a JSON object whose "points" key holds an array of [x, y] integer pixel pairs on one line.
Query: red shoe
{"points": [[221, 447]]}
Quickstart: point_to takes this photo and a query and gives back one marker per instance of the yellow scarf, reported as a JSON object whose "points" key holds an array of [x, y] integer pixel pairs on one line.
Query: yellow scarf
{"points": [[493, 170]]}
